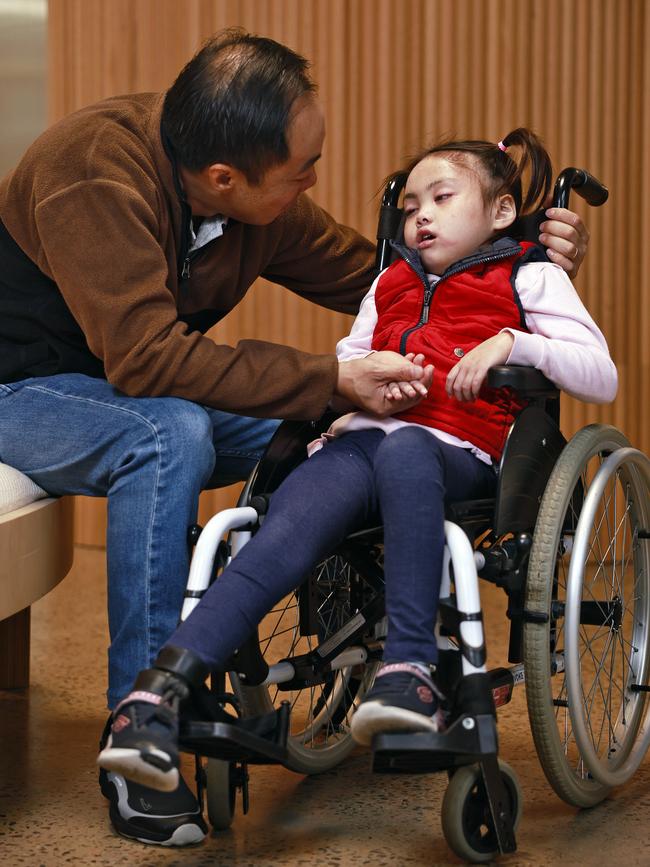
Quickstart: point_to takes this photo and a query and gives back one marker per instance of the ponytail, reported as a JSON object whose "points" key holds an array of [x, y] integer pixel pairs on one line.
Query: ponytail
{"points": [[533, 159]]}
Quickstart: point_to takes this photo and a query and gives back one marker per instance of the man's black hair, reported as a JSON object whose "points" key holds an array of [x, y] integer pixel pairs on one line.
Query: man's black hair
{"points": [[232, 103]]}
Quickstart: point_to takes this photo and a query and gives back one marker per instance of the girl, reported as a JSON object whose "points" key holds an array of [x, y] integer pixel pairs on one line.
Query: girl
{"points": [[460, 298]]}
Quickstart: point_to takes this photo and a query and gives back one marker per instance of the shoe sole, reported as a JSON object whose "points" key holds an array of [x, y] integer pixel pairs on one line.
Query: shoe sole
{"points": [[185, 835], [133, 765], [373, 718]]}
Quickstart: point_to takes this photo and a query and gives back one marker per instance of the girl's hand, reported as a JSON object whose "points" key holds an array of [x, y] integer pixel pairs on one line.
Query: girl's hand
{"points": [[364, 383], [465, 379], [406, 394], [566, 238]]}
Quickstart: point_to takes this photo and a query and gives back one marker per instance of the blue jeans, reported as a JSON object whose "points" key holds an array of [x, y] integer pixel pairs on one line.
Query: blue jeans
{"points": [[404, 479], [151, 457]]}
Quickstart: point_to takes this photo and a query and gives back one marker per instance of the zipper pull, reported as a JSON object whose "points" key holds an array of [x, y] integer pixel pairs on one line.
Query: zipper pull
{"points": [[185, 273], [425, 307]]}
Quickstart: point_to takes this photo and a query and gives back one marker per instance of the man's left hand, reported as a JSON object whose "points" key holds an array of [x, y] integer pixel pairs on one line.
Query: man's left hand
{"points": [[566, 238]]}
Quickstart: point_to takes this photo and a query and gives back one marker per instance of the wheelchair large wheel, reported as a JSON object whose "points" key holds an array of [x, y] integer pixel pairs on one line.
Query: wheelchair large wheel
{"points": [[586, 639], [465, 816], [319, 737]]}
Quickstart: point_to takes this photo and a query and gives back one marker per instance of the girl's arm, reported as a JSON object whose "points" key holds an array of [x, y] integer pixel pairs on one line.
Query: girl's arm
{"points": [[358, 344], [359, 341], [565, 343]]}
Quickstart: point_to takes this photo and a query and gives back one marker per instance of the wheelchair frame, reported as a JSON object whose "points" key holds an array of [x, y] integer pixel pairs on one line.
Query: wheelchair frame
{"points": [[536, 465]]}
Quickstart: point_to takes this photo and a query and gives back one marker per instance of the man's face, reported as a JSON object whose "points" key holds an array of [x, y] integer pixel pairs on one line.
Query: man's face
{"points": [[282, 184]]}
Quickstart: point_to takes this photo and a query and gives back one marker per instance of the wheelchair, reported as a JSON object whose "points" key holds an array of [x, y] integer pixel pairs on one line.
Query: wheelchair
{"points": [[567, 537]]}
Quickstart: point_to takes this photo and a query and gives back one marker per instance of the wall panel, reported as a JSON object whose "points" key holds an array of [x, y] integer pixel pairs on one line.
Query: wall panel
{"points": [[393, 76]]}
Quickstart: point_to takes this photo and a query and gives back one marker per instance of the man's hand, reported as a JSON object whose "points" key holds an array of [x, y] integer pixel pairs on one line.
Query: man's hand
{"points": [[404, 391], [565, 237], [383, 382], [465, 379]]}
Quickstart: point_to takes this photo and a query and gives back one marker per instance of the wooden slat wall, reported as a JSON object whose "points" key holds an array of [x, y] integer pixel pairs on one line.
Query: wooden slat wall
{"points": [[393, 76]]}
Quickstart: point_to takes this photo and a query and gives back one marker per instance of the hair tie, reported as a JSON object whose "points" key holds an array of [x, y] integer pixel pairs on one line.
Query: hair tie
{"points": [[502, 147]]}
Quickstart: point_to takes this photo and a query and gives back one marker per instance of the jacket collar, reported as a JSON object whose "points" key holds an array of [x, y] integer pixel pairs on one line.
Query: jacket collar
{"points": [[162, 153], [499, 249], [167, 169]]}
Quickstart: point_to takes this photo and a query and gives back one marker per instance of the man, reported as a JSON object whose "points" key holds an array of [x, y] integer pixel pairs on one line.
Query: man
{"points": [[128, 230]]}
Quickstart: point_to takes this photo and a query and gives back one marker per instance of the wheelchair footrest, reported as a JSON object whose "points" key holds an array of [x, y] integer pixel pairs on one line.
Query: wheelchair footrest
{"points": [[252, 740], [464, 742]]}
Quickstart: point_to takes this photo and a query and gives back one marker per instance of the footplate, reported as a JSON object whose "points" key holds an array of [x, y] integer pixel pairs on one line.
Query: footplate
{"points": [[464, 742], [250, 740]]}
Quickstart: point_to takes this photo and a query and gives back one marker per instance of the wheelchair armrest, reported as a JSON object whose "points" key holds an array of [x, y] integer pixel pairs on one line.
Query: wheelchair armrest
{"points": [[287, 449], [528, 381]]}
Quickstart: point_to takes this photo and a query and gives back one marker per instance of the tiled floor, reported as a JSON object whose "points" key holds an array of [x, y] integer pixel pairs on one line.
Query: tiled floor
{"points": [[52, 814]]}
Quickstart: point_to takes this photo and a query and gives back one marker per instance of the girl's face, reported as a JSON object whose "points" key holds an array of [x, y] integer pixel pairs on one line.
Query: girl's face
{"points": [[446, 217]]}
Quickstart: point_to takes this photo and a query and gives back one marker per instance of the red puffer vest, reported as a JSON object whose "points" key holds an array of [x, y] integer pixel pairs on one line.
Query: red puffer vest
{"points": [[473, 300]]}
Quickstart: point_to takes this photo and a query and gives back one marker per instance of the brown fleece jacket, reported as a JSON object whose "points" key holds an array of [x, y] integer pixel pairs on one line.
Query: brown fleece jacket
{"points": [[94, 205]]}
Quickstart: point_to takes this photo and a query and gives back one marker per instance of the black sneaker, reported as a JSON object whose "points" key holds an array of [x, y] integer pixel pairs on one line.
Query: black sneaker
{"points": [[142, 744], [402, 699], [159, 818]]}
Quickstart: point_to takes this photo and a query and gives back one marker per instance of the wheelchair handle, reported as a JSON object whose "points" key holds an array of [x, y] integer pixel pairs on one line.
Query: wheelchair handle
{"points": [[586, 185], [390, 217]]}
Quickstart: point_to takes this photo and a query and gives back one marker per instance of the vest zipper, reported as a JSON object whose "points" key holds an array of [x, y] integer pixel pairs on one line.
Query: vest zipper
{"points": [[429, 290]]}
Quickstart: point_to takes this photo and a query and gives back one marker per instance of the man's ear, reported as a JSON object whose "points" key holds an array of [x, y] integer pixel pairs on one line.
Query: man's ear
{"points": [[221, 177], [505, 212]]}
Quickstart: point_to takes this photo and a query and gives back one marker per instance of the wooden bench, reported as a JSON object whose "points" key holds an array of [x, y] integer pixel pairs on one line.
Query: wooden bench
{"points": [[35, 554]]}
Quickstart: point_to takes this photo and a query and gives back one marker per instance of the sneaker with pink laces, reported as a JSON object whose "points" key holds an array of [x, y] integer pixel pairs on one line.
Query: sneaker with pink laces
{"points": [[402, 699]]}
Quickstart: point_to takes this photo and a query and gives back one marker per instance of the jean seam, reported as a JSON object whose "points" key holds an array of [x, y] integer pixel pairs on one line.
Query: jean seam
{"points": [[233, 453]]}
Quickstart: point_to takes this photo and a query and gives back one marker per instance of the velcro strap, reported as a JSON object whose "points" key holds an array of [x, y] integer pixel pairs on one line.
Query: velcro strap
{"points": [[407, 668], [139, 695]]}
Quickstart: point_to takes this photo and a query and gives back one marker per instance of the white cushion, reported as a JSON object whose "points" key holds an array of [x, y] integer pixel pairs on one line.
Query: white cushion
{"points": [[17, 490]]}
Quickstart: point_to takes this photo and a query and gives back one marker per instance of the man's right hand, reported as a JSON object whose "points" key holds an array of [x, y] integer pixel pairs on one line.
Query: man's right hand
{"points": [[367, 383]]}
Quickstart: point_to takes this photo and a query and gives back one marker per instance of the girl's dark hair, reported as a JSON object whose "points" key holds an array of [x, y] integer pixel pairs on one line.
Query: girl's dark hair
{"points": [[525, 165], [232, 103]]}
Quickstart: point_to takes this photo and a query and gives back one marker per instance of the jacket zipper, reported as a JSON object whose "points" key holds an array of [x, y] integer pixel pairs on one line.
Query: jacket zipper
{"points": [[185, 256], [429, 290], [192, 256]]}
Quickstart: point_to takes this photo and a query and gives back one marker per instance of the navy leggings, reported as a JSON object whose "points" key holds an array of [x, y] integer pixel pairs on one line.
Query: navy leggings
{"points": [[403, 478]]}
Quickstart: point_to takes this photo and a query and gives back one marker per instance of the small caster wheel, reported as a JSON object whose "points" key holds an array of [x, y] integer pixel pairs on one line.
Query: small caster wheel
{"points": [[221, 791], [466, 819]]}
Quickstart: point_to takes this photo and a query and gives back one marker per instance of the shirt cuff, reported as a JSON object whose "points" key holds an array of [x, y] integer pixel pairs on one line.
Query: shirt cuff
{"points": [[527, 349]]}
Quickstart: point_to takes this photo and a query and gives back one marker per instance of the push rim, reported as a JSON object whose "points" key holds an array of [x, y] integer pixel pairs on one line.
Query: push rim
{"points": [[607, 617]]}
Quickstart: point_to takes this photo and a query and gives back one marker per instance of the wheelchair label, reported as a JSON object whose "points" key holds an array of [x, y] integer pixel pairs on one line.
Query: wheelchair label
{"points": [[333, 641]]}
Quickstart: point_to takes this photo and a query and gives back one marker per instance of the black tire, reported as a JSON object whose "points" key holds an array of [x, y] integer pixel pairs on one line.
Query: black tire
{"points": [[220, 794], [465, 816]]}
